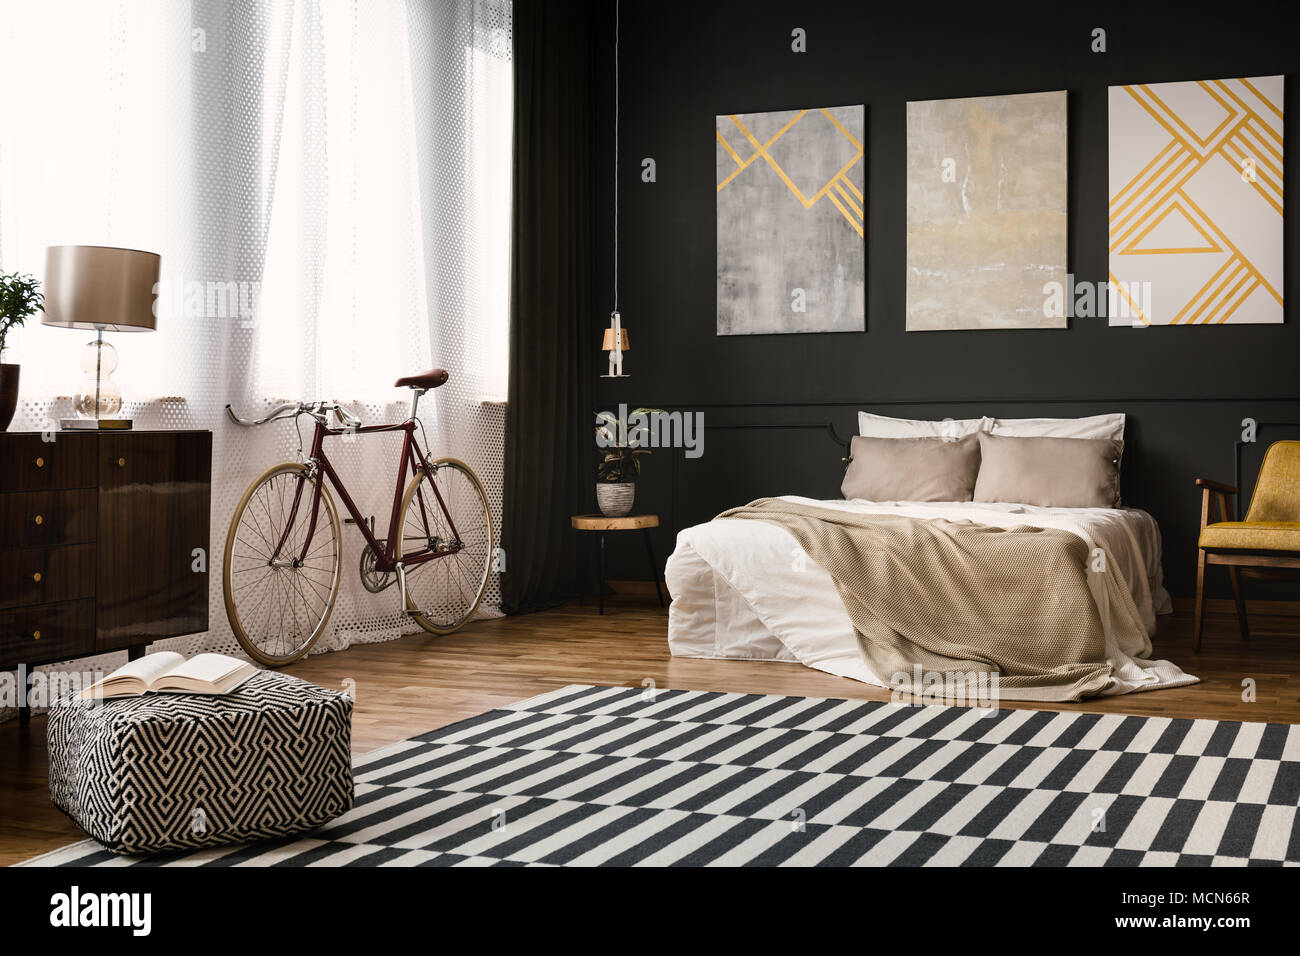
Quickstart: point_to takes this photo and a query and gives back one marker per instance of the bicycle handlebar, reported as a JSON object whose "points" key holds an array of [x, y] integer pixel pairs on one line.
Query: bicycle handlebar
{"points": [[280, 411], [317, 410]]}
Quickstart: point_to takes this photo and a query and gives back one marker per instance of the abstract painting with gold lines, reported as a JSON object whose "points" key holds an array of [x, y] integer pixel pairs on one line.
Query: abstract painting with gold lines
{"points": [[1196, 202], [791, 221]]}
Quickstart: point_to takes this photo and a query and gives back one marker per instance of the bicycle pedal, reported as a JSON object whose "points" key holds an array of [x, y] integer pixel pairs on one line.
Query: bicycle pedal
{"points": [[401, 583]]}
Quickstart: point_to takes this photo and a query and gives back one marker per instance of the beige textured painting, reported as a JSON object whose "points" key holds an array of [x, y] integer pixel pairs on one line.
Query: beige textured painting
{"points": [[986, 211]]}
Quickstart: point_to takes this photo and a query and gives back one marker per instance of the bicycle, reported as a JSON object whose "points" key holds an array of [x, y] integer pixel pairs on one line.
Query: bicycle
{"points": [[282, 561]]}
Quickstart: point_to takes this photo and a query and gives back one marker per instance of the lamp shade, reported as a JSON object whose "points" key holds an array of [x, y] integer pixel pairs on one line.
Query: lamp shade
{"points": [[101, 287], [609, 340]]}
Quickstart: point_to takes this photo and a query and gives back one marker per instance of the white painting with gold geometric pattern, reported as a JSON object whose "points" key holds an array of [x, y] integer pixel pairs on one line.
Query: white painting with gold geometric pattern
{"points": [[1196, 202], [791, 222]]}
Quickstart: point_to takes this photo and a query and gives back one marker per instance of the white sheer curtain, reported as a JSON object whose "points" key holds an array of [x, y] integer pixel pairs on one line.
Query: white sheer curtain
{"points": [[340, 169], [328, 184]]}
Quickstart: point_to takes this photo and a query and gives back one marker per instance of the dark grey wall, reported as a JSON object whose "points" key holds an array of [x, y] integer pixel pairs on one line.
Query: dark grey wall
{"points": [[1185, 390]]}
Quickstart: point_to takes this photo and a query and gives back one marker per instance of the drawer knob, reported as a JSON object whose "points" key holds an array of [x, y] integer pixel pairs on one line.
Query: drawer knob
{"points": [[121, 463], [37, 577], [39, 519], [40, 462], [36, 635]]}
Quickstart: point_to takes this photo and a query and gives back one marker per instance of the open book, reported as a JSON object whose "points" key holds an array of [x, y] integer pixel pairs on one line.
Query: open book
{"points": [[172, 673]]}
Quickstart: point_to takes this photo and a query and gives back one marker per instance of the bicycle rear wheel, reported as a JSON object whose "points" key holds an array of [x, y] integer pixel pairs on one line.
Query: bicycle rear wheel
{"points": [[279, 603], [444, 592]]}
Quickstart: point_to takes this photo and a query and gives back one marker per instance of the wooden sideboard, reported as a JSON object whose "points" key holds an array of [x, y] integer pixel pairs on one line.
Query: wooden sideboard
{"points": [[100, 538]]}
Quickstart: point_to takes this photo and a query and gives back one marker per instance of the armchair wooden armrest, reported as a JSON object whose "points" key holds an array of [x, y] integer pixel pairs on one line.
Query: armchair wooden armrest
{"points": [[1213, 485], [1222, 495]]}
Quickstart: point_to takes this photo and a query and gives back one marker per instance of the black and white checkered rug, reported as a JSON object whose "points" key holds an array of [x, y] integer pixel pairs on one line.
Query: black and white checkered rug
{"points": [[622, 776]]}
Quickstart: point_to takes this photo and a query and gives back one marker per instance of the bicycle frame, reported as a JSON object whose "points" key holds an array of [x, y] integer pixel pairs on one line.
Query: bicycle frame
{"points": [[412, 457]]}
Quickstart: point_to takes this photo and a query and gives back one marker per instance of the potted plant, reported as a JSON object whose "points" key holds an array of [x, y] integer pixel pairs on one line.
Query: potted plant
{"points": [[620, 462], [20, 297]]}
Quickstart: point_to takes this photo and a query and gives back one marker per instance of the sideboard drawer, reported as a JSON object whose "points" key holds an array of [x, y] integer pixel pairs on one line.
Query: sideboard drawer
{"points": [[47, 632], [44, 576], [33, 464], [42, 519]]}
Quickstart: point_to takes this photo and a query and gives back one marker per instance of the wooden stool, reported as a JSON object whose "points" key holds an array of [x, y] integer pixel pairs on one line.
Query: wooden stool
{"points": [[601, 524]]}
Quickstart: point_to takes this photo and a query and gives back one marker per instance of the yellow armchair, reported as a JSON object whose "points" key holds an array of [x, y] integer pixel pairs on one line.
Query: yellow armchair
{"points": [[1265, 544]]}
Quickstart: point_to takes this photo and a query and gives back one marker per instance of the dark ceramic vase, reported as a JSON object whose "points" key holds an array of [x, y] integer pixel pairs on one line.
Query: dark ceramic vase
{"points": [[8, 394]]}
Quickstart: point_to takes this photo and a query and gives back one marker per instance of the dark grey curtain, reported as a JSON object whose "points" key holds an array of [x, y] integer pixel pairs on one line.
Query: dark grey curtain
{"points": [[548, 441]]}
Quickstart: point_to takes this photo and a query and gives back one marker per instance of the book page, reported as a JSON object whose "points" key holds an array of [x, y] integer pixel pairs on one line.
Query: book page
{"points": [[143, 671], [172, 684], [206, 668]]}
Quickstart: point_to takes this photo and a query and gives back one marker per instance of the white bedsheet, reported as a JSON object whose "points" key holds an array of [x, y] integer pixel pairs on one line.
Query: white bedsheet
{"points": [[744, 589]]}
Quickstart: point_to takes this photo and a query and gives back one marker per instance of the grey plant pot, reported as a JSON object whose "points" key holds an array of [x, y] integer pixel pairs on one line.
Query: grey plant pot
{"points": [[615, 498]]}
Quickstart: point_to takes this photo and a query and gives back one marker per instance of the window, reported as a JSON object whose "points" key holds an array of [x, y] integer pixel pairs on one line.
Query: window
{"points": [[340, 170]]}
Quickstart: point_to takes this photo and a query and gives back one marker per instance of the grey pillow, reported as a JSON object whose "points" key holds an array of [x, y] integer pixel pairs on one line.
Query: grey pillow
{"points": [[1051, 472], [912, 469]]}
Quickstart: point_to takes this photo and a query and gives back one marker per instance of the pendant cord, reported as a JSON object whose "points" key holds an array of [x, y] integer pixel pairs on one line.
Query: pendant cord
{"points": [[616, 118]]}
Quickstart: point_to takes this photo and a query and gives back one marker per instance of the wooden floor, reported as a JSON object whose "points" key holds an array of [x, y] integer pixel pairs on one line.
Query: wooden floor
{"points": [[412, 685]]}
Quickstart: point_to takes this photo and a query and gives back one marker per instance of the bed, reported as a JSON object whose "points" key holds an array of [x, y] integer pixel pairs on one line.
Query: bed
{"points": [[744, 589]]}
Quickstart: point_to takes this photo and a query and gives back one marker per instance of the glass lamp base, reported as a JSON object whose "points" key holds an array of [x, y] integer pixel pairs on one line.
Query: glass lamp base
{"points": [[110, 401], [100, 397]]}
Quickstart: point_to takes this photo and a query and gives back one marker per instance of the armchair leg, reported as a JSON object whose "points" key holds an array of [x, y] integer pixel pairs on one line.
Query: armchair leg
{"points": [[1198, 618], [1241, 604]]}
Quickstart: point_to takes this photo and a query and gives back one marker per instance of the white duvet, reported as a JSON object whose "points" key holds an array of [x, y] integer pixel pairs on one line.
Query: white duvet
{"points": [[744, 589]]}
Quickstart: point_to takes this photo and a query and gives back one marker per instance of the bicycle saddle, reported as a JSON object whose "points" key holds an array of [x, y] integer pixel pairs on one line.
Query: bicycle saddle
{"points": [[430, 379]]}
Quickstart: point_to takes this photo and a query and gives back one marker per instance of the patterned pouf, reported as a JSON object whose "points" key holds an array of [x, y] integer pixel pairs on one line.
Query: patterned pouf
{"points": [[173, 771]]}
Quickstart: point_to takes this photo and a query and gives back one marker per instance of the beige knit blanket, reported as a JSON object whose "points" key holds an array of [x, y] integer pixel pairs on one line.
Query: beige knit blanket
{"points": [[958, 597]]}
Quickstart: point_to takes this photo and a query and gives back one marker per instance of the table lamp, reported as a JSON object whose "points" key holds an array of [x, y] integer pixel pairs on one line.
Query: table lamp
{"points": [[101, 289]]}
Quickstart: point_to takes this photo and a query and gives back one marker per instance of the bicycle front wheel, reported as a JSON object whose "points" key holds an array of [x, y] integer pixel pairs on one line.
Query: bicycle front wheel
{"points": [[455, 524], [279, 597]]}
